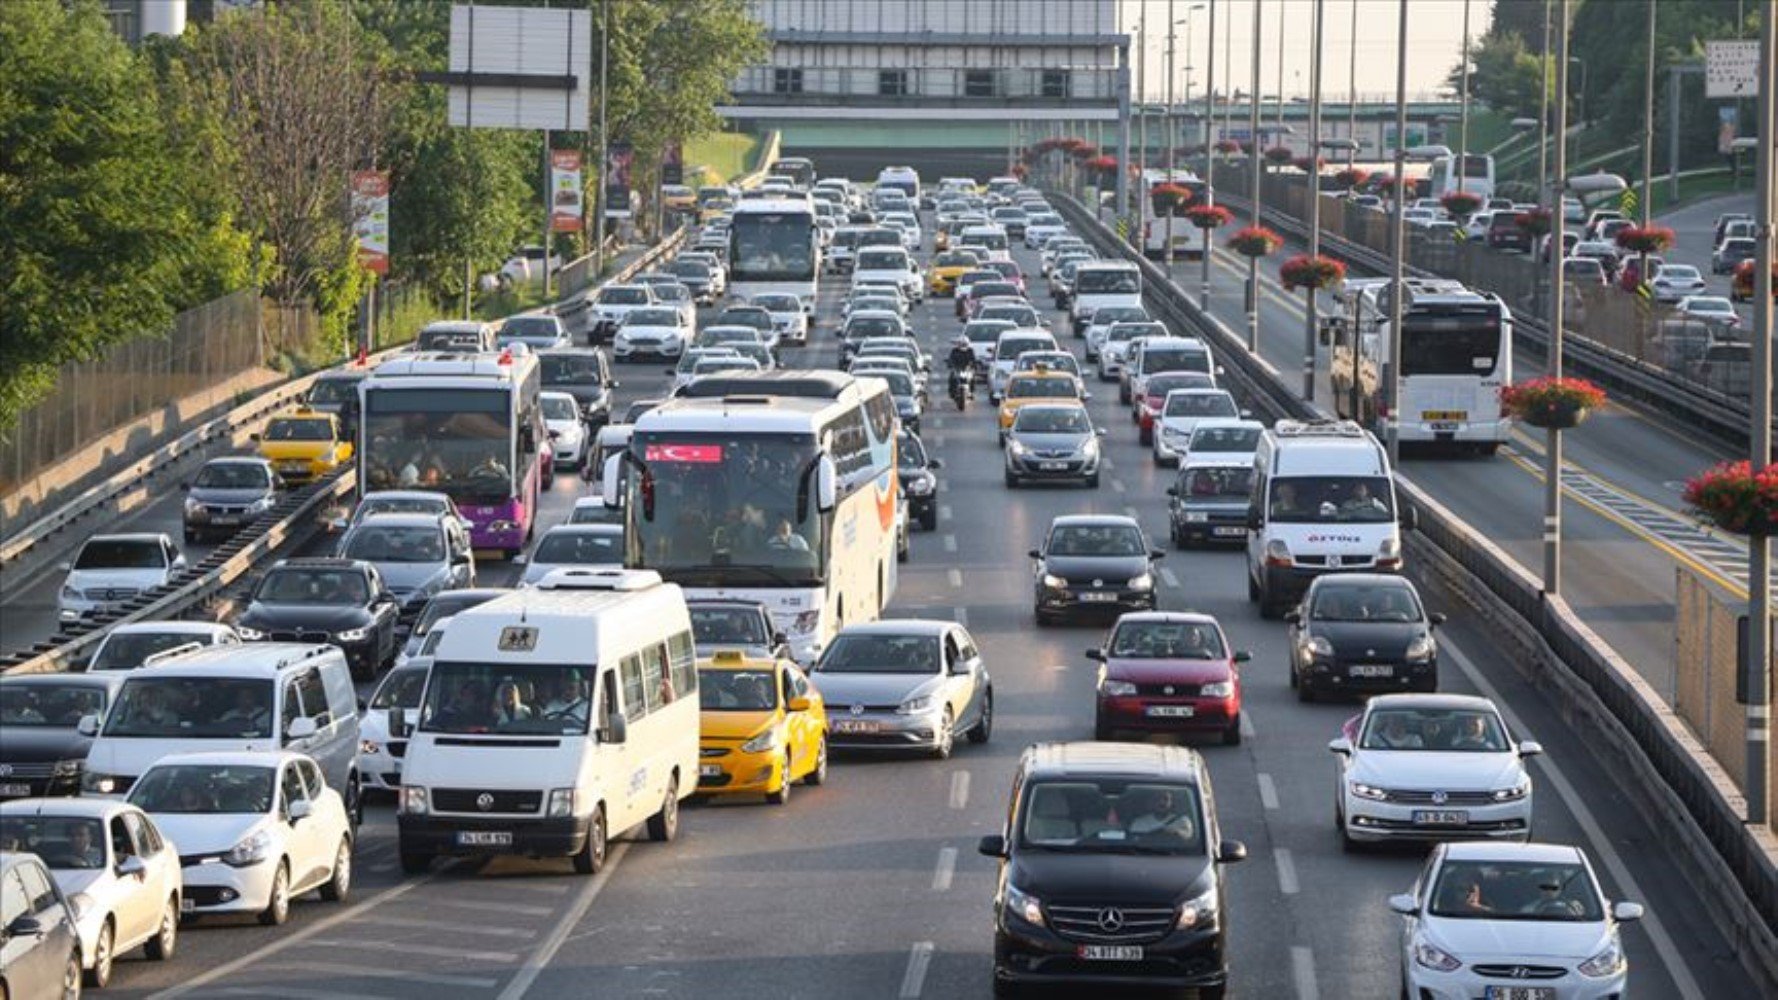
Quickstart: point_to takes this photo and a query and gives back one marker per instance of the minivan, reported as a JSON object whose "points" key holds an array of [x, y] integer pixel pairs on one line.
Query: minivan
{"points": [[1100, 284]]}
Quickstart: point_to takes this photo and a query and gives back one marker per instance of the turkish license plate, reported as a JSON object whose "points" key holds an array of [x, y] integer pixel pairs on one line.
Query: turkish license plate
{"points": [[1110, 952], [1095, 597], [1171, 711], [1445, 425], [856, 726], [1441, 817], [1521, 993], [1444, 415], [1228, 532], [1373, 670], [13, 791], [224, 519], [1052, 466], [709, 770], [484, 838]]}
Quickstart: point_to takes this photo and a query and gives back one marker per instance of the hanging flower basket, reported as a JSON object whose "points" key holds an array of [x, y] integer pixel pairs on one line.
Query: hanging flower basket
{"points": [[1645, 239], [1255, 242], [1228, 147], [1534, 223], [1351, 177], [1168, 197], [1734, 498], [1103, 164], [1279, 155], [1461, 204], [1049, 144], [1209, 216], [1308, 165], [1557, 403], [1020, 171], [1741, 282], [1189, 151], [1084, 151], [1304, 271]]}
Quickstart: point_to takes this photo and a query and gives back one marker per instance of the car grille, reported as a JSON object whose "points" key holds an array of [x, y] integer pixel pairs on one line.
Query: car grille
{"points": [[1345, 562], [27, 771], [1052, 453], [1128, 925], [112, 593], [713, 752], [1521, 971], [465, 800], [225, 511], [1168, 690], [299, 635], [1425, 798]]}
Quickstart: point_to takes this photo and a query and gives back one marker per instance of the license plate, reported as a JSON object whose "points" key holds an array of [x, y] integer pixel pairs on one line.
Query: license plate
{"points": [[1441, 817], [1110, 952], [1171, 711], [1098, 598], [1373, 670], [187, 904], [484, 838], [1052, 466], [1444, 414], [224, 519], [1521, 993], [709, 770], [14, 791], [1228, 532], [1445, 425], [295, 466], [855, 726]]}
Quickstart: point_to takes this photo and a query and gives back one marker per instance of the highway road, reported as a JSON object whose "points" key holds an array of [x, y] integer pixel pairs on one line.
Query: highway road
{"points": [[870, 887], [1694, 238]]}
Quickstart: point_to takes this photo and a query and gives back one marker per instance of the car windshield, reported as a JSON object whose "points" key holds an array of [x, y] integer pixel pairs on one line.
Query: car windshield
{"points": [[881, 654], [860, 327], [1682, 272], [899, 382], [122, 553], [1561, 892], [127, 650], [192, 708], [303, 585], [1240, 440], [1010, 348], [1200, 404], [1324, 499], [390, 544], [1051, 420], [880, 260], [1364, 602], [59, 706], [990, 289], [737, 690], [653, 317], [557, 408], [196, 789], [507, 699], [531, 326], [447, 604], [1710, 305], [299, 430], [64, 843], [1032, 360], [1112, 816], [1043, 388], [1165, 640], [1016, 315], [233, 476], [1174, 359], [690, 269], [1092, 281], [1450, 730], [1096, 540], [401, 689], [1130, 331], [1215, 483], [334, 391], [580, 548], [623, 296], [986, 332]]}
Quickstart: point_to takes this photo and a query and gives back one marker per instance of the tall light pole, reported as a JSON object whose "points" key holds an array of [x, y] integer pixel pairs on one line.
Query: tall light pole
{"points": [[1648, 127], [1352, 94], [1282, 11], [604, 140], [1757, 666], [1228, 75], [1463, 109], [1397, 244], [1580, 107], [1141, 228], [1543, 122], [1209, 155], [1253, 160], [1167, 131], [1313, 315], [1552, 465]]}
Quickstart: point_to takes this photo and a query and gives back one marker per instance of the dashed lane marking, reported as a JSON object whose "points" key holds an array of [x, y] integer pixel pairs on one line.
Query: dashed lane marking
{"points": [[538, 960], [380, 972], [1287, 882], [1268, 792], [407, 947], [914, 980], [1168, 578], [442, 926], [959, 789], [946, 870], [955, 576], [289, 993], [1302, 972], [950, 543]]}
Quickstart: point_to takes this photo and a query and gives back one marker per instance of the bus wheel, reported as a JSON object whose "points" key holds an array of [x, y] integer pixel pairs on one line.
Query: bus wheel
{"points": [[592, 857], [664, 825]]}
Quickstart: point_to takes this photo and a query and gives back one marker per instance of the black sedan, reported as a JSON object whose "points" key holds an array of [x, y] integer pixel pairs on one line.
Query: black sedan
{"points": [[338, 601], [1362, 633], [1093, 563], [42, 751], [919, 479]]}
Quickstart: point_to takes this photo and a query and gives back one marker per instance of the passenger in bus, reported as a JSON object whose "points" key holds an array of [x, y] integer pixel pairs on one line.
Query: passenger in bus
{"points": [[784, 539], [469, 709]]}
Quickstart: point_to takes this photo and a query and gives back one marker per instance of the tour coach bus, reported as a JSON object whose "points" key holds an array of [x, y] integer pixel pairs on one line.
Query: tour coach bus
{"points": [[774, 247], [777, 487], [553, 719]]}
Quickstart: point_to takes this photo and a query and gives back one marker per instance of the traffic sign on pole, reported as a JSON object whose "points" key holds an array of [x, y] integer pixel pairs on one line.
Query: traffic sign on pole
{"points": [[1731, 69]]}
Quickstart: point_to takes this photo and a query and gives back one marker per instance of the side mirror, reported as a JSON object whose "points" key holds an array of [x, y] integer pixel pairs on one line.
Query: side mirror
{"points": [[253, 437], [1293, 617], [992, 846], [131, 867], [1035, 554], [1410, 518], [1254, 521], [66, 567], [300, 809], [1243, 656], [613, 384], [398, 723], [1246, 414], [519, 559], [25, 926], [1096, 655], [826, 484], [1339, 745], [1173, 491], [1157, 554], [460, 558], [1626, 912], [1099, 431], [185, 487], [935, 463], [616, 731], [88, 725], [1437, 618], [300, 728], [1404, 904], [1087, 396], [670, 371], [608, 484], [1230, 851], [800, 704], [1530, 748]]}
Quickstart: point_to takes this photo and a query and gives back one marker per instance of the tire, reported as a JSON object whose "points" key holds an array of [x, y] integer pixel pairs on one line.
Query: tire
{"points": [[1093, 481], [984, 727], [355, 801], [1012, 481], [1347, 844], [818, 776], [1006, 989], [592, 856], [929, 519], [1252, 588], [947, 737], [1123, 393], [1102, 730], [339, 882], [663, 826], [72, 976], [277, 909], [415, 862], [1145, 435], [901, 550], [165, 941], [1231, 737], [104, 954], [1212, 992], [781, 797]]}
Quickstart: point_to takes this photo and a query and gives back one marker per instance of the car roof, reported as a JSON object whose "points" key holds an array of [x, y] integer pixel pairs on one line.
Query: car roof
{"points": [[170, 628], [585, 529], [1094, 520], [240, 758], [321, 562], [1181, 617], [900, 626], [394, 520], [1427, 701], [128, 536], [66, 806], [1482, 850], [252, 659], [1125, 760], [238, 460], [1361, 580]]}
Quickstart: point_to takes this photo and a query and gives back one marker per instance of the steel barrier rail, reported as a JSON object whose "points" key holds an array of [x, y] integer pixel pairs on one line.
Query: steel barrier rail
{"points": [[1736, 866]]}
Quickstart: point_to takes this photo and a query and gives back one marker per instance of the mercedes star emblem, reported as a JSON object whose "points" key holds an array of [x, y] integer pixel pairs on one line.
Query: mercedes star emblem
{"points": [[1520, 972], [484, 801], [1111, 919], [857, 709], [1439, 798]]}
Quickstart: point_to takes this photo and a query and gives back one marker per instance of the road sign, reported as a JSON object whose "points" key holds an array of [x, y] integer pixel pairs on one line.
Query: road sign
{"points": [[519, 68], [1627, 201], [1731, 69]]}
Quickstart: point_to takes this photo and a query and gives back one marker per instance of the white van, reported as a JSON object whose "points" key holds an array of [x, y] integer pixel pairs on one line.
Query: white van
{"points": [[252, 696], [1323, 502], [553, 719], [904, 179], [1007, 349], [990, 238], [1100, 284]]}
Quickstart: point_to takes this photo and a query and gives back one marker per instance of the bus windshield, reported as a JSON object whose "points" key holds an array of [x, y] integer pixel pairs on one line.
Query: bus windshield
{"points": [[507, 699], [772, 246], [455, 441]]}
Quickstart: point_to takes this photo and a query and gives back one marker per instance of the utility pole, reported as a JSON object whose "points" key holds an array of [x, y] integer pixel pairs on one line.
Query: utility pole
{"points": [[1463, 109], [1228, 76], [1757, 665], [1648, 127], [1282, 11], [1543, 126], [1209, 155], [1253, 160], [1352, 93], [1172, 34], [604, 141], [1140, 232], [1552, 465], [1397, 246], [1312, 320]]}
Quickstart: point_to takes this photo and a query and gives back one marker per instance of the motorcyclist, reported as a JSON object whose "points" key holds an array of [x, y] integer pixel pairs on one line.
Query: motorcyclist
{"points": [[962, 365]]}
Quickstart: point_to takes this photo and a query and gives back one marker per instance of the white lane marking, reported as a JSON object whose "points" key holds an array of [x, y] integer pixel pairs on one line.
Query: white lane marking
{"points": [[402, 947], [292, 939], [1287, 883], [476, 904], [955, 576], [1168, 578], [919, 958], [378, 972], [1268, 792], [938, 421], [291, 993], [950, 543], [1247, 729], [1117, 485], [944, 512], [479, 930], [535, 963], [1602, 845], [959, 789], [947, 868], [1302, 972]]}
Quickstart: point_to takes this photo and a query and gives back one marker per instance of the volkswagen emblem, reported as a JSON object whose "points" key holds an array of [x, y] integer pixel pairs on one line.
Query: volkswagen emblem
{"points": [[1439, 798], [484, 801], [1520, 972], [1167, 690], [1111, 919], [857, 709], [5, 770], [1098, 583]]}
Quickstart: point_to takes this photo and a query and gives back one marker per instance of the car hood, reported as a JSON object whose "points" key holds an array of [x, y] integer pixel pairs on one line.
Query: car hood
{"points": [[1354, 638], [81, 579], [1423, 769], [873, 689], [207, 833], [1069, 442], [1517, 942], [232, 497], [567, 428], [38, 745], [735, 725], [1110, 568], [318, 616], [1179, 671], [648, 330], [1085, 878], [411, 576]]}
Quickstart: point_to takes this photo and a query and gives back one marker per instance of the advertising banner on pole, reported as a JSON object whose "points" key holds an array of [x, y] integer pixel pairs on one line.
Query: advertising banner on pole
{"points": [[673, 164], [565, 202], [618, 161], [370, 219]]}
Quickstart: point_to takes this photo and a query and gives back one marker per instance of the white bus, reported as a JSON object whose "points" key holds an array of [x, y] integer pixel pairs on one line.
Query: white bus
{"points": [[553, 719], [1456, 354], [778, 487], [774, 246], [1162, 225], [1477, 179]]}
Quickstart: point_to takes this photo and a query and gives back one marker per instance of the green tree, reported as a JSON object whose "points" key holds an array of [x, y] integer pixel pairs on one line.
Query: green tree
{"points": [[1503, 75]]}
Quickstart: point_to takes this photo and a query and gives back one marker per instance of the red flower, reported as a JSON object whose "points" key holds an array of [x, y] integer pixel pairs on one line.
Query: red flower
{"points": [[1535, 222], [1255, 241], [1304, 271], [1279, 154], [1228, 146], [1170, 195], [1735, 498], [1461, 203], [1209, 216], [1645, 239], [1106, 164], [1352, 176], [1543, 402]]}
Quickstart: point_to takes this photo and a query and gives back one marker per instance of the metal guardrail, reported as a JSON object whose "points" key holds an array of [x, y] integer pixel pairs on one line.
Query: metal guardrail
{"points": [[1667, 771]]}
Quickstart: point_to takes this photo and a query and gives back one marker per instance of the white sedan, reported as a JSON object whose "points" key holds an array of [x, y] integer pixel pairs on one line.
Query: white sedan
{"points": [[254, 829], [1180, 414], [597, 545], [568, 437], [1676, 281], [1712, 309], [1511, 920], [656, 331], [1431, 767], [115, 867]]}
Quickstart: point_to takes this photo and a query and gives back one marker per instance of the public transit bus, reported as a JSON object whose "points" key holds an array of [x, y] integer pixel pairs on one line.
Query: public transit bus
{"points": [[778, 487], [466, 425], [799, 169], [1164, 225], [1456, 354], [1477, 179], [774, 247]]}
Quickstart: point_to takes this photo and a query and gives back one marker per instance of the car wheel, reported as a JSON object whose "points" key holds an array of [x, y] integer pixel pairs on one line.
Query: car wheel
{"points": [[1145, 435], [277, 909], [663, 826], [415, 862], [1252, 588], [901, 548], [355, 801], [781, 795], [72, 975], [984, 727], [1093, 481], [99, 976], [819, 775], [1012, 481], [947, 737], [165, 941], [1006, 989], [1102, 730], [1347, 844], [592, 856], [339, 885], [1231, 737]]}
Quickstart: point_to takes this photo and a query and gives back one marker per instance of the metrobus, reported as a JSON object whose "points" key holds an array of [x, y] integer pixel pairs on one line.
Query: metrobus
{"points": [[778, 487], [1162, 226], [1456, 354], [800, 170], [774, 247], [1477, 179], [466, 425]]}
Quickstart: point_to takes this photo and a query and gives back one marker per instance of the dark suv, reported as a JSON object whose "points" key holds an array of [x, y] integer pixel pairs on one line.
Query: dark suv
{"points": [[1110, 872], [340, 601]]}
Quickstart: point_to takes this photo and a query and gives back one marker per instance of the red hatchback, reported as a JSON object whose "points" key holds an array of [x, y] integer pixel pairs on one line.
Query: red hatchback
{"points": [[1168, 672]]}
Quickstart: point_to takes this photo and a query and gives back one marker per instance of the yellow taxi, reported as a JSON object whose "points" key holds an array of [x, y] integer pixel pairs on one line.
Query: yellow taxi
{"points": [[715, 208], [304, 444], [762, 727], [1041, 385], [946, 268], [678, 198]]}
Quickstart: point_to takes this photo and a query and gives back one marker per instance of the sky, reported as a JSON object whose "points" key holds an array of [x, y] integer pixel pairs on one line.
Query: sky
{"points": [[1435, 35]]}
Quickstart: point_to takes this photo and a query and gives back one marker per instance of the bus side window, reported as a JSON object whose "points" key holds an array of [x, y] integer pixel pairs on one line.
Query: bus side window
{"points": [[608, 702], [635, 693], [682, 663]]}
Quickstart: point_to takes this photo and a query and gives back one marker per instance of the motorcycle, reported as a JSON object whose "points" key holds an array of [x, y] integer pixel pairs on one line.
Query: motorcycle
{"points": [[961, 389]]}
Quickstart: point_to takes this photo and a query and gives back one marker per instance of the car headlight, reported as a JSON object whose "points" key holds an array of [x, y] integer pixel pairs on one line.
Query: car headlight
{"points": [[1056, 582], [1421, 649], [353, 634], [1013, 447], [1278, 552], [1607, 963], [1390, 549], [764, 742], [561, 802], [250, 851], [415, 801], [1200, 911], [70, 593], [1196, 516], [260, 505], [913, 706], [1371, 792], [369, 747], [1515, 793], [1142, 582], [1116, 689], [249, 633], [1218, 689], [1435, 958], [1024, 905], [99, 783], [1318, 646], [192, 507]]}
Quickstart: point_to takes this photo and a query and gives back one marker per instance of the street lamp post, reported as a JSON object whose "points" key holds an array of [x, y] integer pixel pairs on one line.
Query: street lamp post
{"points": [[1209, 154], [1167, 132], [1392, 372], [1757, 665], [1313, 314], [1253, 160], [1552, 468], [1543, 119], [1581, 98], [1352, 93], [1648, 129], [1463, 112]]}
